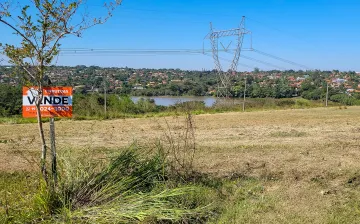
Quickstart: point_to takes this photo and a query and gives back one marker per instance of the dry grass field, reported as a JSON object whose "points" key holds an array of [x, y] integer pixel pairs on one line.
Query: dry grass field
{"points": [[306, 161]]}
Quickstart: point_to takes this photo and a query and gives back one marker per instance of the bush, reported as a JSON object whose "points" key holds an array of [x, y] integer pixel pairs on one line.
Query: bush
{"points": [[11, 100], [132, 187], [285, 102], [302, 103], [189, 106], [344, 99]]}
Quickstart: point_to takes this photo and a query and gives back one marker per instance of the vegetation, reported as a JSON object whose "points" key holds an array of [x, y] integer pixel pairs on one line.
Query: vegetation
{"points": [[128, 189], [229, 168], [265, 89], [11, 100], [176, 82], [91, 106], [41, 26], [248, 167]]}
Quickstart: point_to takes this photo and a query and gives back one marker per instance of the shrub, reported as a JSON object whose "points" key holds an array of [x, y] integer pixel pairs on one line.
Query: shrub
{"points": [[132, 187], [302, 103], [344, 99], [285, 102], [10, 103], [189, 106]]}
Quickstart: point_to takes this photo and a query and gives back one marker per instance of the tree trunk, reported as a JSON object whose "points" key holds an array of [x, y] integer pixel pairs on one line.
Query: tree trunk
{"points": [[42, 138], [53, 151]]}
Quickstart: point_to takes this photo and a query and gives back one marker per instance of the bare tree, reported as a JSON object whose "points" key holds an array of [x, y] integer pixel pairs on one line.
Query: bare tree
{"points": [[41, 25]]}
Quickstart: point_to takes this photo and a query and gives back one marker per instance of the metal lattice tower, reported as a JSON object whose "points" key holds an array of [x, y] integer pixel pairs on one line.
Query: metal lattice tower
{"points": [[225, 85]]}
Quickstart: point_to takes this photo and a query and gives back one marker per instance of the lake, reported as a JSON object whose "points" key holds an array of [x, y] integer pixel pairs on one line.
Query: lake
{"points": [[172, 100]]}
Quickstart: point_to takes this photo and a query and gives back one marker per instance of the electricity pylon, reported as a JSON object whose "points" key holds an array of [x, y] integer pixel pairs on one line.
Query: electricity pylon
{"points": [[225, 85]]}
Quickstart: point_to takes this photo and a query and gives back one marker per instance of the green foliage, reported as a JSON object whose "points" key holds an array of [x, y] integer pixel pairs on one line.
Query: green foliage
{"points": [[126, 172], [88, 105], [285, 103], [290, 134], [92, 105], [302, 103], [129, 189], [313, 95], [11, 100], [345, 99], [247, 204], [189, 106], [282, 89], [17, 191]]}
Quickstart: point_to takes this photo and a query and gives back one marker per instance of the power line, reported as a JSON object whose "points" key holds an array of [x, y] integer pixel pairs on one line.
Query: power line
{"points": [[157, 52], [280, 59], [129, 51], [262, 62], [274, 57], [106, 50], [227, 60]]}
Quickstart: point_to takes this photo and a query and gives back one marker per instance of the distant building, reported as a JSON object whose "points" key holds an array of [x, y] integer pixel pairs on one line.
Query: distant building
{"points": [[138, 86], [300, 79], [338, 80]]}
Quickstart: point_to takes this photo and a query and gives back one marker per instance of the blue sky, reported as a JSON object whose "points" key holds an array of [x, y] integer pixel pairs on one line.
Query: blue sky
{"points": [[321, 34]]}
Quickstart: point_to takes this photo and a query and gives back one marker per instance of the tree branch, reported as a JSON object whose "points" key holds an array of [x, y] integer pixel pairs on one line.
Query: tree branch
{"points": [[21, 34]]}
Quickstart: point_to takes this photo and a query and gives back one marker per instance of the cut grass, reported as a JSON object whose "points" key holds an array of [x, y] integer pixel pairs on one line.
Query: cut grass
{"points": [[291, 134], [168, 202], [302, 159], [130, 188]]}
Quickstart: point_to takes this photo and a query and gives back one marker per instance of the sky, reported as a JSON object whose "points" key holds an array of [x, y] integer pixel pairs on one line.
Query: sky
{"points": [[312, 34]]}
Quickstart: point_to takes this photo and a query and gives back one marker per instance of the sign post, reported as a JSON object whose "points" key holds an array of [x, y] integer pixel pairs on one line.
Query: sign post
{"points": [[56, 102]]}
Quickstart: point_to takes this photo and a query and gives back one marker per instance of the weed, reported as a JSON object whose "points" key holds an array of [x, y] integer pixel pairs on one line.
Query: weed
{"points": [[181, 145], [292, 133]]}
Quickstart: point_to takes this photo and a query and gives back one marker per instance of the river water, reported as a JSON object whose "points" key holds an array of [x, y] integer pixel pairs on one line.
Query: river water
{"points": [[172, 100]]}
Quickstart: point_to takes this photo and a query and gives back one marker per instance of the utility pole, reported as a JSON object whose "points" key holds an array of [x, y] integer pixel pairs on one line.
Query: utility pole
{"points": [[105, 90], [327, 94], [244, 94]]}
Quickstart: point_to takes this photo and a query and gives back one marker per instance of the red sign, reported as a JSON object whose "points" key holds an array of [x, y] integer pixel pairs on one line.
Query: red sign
{"points": [[56, 102]]}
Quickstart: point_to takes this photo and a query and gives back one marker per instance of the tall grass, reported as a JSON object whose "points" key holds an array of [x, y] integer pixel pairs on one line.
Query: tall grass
{"points": [[129, 188]]}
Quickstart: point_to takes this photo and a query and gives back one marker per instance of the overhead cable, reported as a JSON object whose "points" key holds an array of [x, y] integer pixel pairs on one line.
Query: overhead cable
{"points": [[280, 59]]}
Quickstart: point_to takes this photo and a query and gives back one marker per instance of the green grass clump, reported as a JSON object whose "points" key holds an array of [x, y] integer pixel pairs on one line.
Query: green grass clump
{"points": [[17, 191], [284, 134], [245, 202], [130, 188]]}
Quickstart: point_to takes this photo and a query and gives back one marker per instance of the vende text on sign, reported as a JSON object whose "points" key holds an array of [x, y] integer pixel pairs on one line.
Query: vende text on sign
{"points": [[57, 102]]}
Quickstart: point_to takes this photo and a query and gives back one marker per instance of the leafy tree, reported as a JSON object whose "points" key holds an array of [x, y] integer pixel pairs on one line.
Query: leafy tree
{"points": [[344, 99], [256, 90], [10, 103], [283, 90], [41, 25]]}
